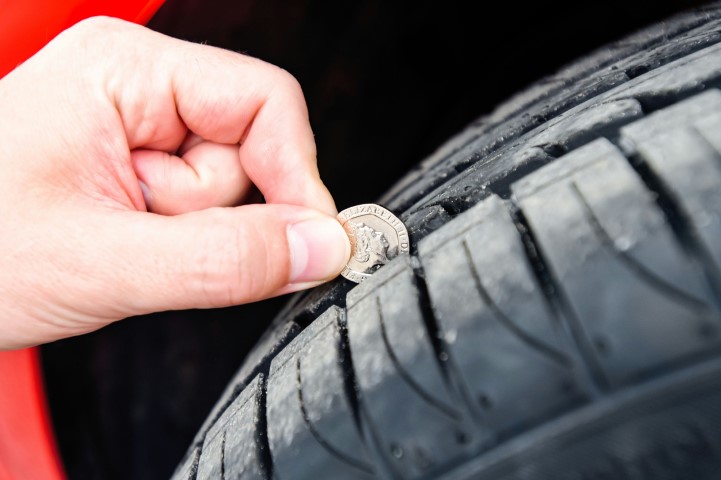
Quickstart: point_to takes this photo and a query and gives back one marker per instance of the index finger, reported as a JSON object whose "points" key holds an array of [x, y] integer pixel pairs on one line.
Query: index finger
{"points": [[226, 97], [277, 147]]}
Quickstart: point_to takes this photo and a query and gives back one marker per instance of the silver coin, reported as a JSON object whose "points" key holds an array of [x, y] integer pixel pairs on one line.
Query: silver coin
{"points": [[376, 237]]}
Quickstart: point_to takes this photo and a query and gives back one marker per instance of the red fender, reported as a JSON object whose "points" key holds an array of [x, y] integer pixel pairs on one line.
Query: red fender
{"points": [[27, 25], [27, 442]]}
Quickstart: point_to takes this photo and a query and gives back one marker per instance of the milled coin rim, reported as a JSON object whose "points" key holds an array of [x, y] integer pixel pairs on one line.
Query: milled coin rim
{"points": [[384, 214]]}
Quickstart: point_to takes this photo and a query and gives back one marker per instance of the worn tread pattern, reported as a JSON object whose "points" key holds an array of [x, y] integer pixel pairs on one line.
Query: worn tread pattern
{"points": [[574, 206], [562, 297], [306, 388], [236, 445]]}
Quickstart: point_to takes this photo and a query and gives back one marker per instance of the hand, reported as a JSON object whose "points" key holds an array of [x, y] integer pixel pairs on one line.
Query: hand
{"points": [[125, 160]]}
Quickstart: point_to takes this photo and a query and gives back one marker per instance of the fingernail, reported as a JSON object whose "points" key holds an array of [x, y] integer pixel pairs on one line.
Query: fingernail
{"points": [[319, 249], [146, 194]]}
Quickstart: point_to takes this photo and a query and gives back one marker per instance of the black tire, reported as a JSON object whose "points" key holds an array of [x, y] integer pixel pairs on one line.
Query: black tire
{"points": [[560, 315]]}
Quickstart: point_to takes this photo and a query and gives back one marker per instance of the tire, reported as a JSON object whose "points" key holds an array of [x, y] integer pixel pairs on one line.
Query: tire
{"points": [[560, 314]]}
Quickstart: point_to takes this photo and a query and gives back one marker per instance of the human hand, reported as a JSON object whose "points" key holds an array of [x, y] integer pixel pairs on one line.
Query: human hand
{"points": [[109, 109]]}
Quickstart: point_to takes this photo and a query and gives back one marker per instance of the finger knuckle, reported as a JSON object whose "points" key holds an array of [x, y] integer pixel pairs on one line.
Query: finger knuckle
{"points": [[288, 81], [100, 37], [99, 25]]}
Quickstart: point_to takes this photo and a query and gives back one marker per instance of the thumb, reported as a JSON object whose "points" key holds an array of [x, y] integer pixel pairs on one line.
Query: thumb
{"points": [[225, 256]]}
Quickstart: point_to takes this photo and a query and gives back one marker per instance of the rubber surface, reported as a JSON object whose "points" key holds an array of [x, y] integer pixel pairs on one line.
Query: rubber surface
{"points": [[559, 316]]}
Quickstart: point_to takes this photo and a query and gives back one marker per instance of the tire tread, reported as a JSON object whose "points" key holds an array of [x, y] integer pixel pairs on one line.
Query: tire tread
{"points": [[610, 168]]}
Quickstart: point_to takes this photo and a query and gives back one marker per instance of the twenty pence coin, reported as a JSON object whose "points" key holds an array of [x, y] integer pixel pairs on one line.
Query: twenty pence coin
{"points": [[376, 237]]}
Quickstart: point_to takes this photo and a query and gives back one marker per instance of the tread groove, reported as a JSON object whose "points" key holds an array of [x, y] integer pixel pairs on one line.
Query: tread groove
{"points": [[546, 350], [680, 224], [222, 456], [633, 265], [260, 368], [428, 398], [353, 395], [452, 377], [352, 462], [596, 381], [261, 439], [350, 383]]}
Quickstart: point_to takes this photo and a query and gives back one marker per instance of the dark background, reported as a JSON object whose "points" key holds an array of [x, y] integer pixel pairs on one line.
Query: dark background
{"points": [[385, 83]]}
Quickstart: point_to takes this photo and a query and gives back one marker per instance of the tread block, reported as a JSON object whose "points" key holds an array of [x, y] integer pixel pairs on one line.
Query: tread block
{"points": [[640, 303], [584, 123], [311, 429], [675, 80], [681, 145], [231, 445], [511, 351], [269, 344], [403, 395], [671, 118]]}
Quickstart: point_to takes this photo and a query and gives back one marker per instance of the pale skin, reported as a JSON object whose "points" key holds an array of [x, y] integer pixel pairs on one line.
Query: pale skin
{"points": [[126, 158]]}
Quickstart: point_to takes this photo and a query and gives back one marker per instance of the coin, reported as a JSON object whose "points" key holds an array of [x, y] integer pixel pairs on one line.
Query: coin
{"points": [[376, 237]]}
